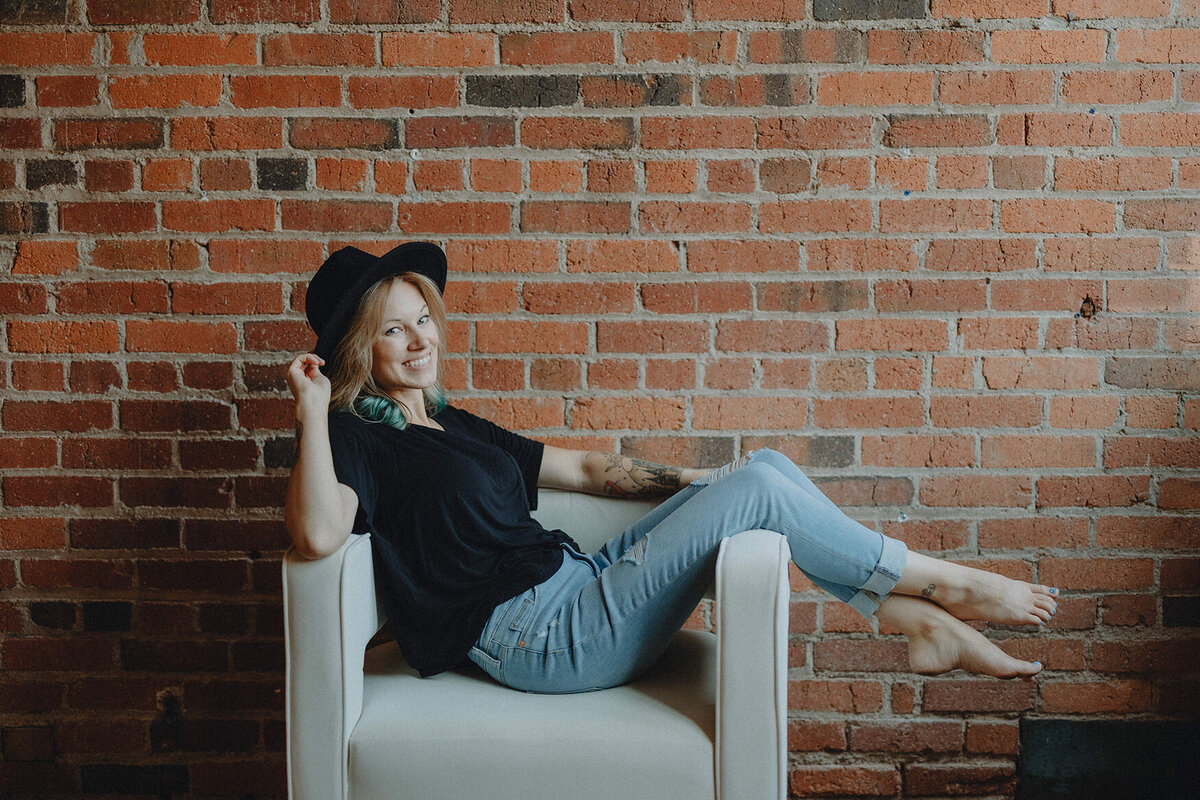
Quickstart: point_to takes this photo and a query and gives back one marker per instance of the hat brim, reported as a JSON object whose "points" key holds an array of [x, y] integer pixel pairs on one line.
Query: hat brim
{"points": [[423, 258]]}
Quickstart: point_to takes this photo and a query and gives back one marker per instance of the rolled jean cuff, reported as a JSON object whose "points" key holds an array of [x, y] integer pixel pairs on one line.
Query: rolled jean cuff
{"points": [[883, 579]]}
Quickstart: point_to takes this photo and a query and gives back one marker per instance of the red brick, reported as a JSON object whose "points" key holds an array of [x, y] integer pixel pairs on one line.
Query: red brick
{"points": [[605, 175], [902, 216], [709, 298], [66, 91], [828, 255], [628, 11], [48, 415], [1048, 46], [562, 133], [317, 49], [285, 91], [946, 130], [342, 215], [996, 87], [555, 176], [687, 133], [985, 411], [766, 10], [924, 47], [263, 257], [842, 696], [525, 49], [897, 450], [162, 336], [842, 375], [850, 173], [876, 781], [782, 336], [233, 11], [959, 779], [1038, 451], [815, 133], [519, 336], [98, 453], [869, 412], [1178, 493], [578, 298], [403, 92], [1159, 46], [27, 453], [990, 9], [1083, 412], [1124, 87], [977, 491], [63, 337], [574, 216], [891, 334], [1078, 255], [502, 256], [661, 216], [227, 133], [57, 491], [1112, 696], [105, 217], [199, 49], [83, 654], [805, 296], [47, 49], [875, 89], [731, 413], [165, 91], [669, 47], [1167, 129], [978, 695], [1100, 491], [614, 413], [1040, 372], [651, 337], [815, 216], [738, 256]]}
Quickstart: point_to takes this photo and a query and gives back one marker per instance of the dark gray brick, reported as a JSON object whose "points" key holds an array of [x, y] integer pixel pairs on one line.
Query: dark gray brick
{"points": [[283, 174], [107, 616], [12, 91], [33, 12], [514, 91], [50, 172], [18, 217]]}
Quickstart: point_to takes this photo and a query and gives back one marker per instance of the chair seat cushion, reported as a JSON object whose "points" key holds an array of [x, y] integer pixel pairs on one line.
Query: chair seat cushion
{"points": [[459, 734]]}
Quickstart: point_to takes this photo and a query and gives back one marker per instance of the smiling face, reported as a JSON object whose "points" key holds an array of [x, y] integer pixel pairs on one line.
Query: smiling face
{"points": [[404, 358]]}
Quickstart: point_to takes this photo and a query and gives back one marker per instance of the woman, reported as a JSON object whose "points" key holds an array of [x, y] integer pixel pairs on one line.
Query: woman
{"points": [[465, 572]]}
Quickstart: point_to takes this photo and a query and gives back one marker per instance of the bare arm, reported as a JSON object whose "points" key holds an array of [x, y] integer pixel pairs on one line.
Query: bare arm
{"points": [[611, 474], [318, 511]]}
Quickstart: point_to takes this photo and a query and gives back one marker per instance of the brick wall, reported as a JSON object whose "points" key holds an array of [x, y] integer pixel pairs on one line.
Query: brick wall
{"points": [[947, 262]]}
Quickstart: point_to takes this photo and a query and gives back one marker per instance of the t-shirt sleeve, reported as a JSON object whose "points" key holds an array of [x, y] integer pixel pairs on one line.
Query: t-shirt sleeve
{"points": [[527, 452], [352, 465]]}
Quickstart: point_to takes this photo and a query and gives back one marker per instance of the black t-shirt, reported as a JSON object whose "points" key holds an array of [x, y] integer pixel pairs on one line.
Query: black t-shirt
{"points": [[449, 516]]}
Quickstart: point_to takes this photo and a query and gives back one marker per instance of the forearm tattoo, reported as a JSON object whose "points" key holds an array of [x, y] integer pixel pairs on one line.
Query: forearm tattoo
{"points": [[633, 477]]}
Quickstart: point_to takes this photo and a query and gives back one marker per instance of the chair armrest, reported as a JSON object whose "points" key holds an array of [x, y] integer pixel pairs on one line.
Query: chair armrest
{"points": [[753, 593], [330, 613]]}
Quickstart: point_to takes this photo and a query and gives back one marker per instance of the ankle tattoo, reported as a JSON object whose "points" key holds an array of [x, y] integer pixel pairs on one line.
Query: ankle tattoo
{"points": [[927, 592]]}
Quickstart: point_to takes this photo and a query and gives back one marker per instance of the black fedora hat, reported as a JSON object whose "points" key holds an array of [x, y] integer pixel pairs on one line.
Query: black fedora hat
{"points": [[334, 292]]}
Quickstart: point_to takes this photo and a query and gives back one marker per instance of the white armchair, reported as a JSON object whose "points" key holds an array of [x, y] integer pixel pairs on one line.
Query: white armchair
{"points": [[708, 721]]}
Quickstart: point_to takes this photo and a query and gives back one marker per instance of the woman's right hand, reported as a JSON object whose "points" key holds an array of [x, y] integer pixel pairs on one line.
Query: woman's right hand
{"points": [[308, 384]]}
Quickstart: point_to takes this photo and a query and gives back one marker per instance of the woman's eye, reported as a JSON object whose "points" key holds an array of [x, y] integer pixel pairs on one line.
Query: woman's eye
{"points": [[424, 318], [392, 330]]}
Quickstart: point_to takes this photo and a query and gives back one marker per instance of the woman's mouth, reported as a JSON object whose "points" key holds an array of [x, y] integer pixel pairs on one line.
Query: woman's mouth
{"points": [[419, 362]]}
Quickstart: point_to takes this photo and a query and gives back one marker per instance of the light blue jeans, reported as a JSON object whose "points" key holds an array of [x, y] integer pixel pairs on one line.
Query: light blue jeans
{"points": [[602, 619]]}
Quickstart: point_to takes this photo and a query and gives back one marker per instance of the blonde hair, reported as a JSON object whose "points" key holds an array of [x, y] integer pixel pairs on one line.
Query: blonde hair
{"points": [[353, 387]]}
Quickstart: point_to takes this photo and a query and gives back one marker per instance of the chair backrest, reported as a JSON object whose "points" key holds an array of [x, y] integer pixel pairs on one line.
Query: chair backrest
{"points": [[590, 520]]}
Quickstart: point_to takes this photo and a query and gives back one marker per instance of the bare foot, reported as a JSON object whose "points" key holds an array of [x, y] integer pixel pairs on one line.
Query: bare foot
{"points": [[973, 594], [937, 642]]}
